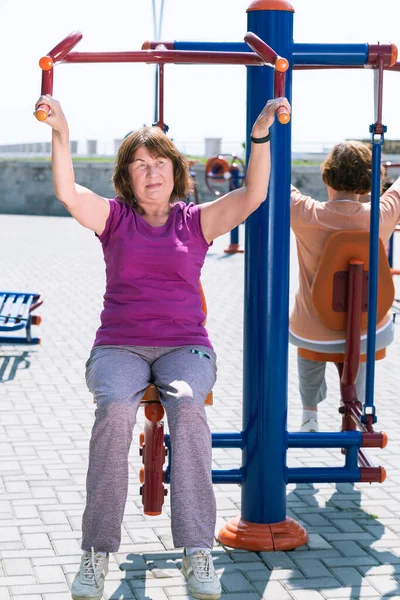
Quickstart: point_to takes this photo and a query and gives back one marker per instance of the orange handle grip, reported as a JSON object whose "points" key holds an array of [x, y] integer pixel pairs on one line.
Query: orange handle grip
{"points": [[42, 112], [283, 115]]}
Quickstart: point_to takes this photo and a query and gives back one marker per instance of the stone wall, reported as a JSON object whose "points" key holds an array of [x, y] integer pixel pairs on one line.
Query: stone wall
{"points": [[26, 186]]}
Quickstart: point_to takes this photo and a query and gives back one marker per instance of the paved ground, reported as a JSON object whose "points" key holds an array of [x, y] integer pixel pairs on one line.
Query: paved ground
{"points": [[46, 415]]}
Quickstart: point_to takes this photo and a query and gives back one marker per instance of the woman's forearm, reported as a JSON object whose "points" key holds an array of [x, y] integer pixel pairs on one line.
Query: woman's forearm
{"points": [[258, 172], [63, 172]]}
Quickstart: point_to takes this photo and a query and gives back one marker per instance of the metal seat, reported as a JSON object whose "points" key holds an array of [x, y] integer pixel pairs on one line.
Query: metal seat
{"points": [[151, 395]]}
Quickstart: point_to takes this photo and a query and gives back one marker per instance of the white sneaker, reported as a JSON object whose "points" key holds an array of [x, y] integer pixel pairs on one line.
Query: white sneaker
{"points": [[89, 581], [203, 582], [309, 426]]}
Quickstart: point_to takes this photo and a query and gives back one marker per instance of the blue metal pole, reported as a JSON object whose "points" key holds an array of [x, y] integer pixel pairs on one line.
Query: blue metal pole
{"points": [[218, 476], [330, 54], [343, 439], [266, 302], [369, 408], [390, 252], [322, 475], [302, 54], [220, 440], [234, 184]]}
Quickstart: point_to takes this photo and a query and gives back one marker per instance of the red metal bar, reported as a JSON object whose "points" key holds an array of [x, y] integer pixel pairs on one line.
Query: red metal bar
{"points": [[60, 50], [395, 67], [372, 474], [153, 453], [281, 66], [160, 122], [149, 45], [279, 91], [389, 164], [355, 413], [363, 459], [354, 313], [167, 56], [374, 440], [47, 82], [378, 124], [47, 88], [279, 84], [265, 52]]}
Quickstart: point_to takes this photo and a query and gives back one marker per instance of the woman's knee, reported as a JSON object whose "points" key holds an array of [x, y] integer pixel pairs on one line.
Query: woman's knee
{"points": [[185, 409], [116, 401]]}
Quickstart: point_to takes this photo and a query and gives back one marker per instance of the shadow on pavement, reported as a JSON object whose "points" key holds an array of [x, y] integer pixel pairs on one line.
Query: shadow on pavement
{"points": [[11, 363]]}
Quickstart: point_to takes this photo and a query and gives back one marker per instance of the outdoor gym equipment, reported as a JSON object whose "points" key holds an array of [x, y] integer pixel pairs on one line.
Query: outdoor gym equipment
{"points": [[226, 169], [264, 438], [340, 298], [16, 314]]}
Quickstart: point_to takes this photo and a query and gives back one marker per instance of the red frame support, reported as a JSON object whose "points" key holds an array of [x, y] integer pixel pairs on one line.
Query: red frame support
{"points": [[153, 453]]}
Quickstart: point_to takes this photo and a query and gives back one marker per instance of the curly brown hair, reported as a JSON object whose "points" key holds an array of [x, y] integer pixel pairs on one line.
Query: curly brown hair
{"points": [[348, 168], [159, 146]]}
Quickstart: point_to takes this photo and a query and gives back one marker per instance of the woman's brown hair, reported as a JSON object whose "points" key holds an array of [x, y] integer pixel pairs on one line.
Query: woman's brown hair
{"points": [[158, 145], [348, 168]]}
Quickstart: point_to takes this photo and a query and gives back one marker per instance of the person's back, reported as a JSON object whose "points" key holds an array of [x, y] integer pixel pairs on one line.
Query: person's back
{"points": [[347, 175]]}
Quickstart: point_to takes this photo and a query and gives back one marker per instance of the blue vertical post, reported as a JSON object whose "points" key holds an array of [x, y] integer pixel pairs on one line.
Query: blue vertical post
{"points": [[266, 303], [234, 246], [369, 408], [390, 251], [235, 182], [266, 307]]}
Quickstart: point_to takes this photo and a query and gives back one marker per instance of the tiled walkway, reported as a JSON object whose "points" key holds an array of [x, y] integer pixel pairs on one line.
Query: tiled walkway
{"points": [[46, 415]]}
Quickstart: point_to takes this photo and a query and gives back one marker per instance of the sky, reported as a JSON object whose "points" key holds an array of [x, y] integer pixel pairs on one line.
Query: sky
{"points": [[107, 101]]}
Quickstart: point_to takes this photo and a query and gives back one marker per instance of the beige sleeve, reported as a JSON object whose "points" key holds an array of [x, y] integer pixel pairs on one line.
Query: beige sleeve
{"points": [[390, 207], [300, 207]]}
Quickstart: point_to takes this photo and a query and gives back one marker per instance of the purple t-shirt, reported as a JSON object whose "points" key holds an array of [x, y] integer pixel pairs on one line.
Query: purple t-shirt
{"points": [[152, 295]]}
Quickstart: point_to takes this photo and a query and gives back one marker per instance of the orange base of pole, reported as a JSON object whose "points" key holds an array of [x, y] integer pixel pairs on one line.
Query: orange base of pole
{"points": [[260, 537], [234, 248]]}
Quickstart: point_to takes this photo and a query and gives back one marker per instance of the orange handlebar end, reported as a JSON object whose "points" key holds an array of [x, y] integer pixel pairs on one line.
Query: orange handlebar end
{"points": [[46, 63], [42, 112], [283, 115], [281, 64]]}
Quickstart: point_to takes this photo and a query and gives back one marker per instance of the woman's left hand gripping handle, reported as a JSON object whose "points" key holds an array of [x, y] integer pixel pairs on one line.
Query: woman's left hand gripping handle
{"points": [[49, 110]]}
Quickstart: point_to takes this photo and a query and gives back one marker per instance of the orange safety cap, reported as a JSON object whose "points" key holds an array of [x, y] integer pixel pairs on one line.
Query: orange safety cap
{"points": [[393, 58], [46, 63], [283, 117], [270, 5], [281, 64], [383, 474], [41, 114]]}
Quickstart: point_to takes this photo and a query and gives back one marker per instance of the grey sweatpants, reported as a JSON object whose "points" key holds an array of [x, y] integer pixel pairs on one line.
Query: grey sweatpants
{"points": [[312, 384], [117, 376]]}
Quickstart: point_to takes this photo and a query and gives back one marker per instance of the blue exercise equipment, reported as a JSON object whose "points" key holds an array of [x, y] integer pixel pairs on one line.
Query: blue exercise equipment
{"points": [[16, 315]]}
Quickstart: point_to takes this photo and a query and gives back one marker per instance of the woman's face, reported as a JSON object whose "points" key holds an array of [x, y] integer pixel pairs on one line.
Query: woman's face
{"points": [[152, 178]]}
